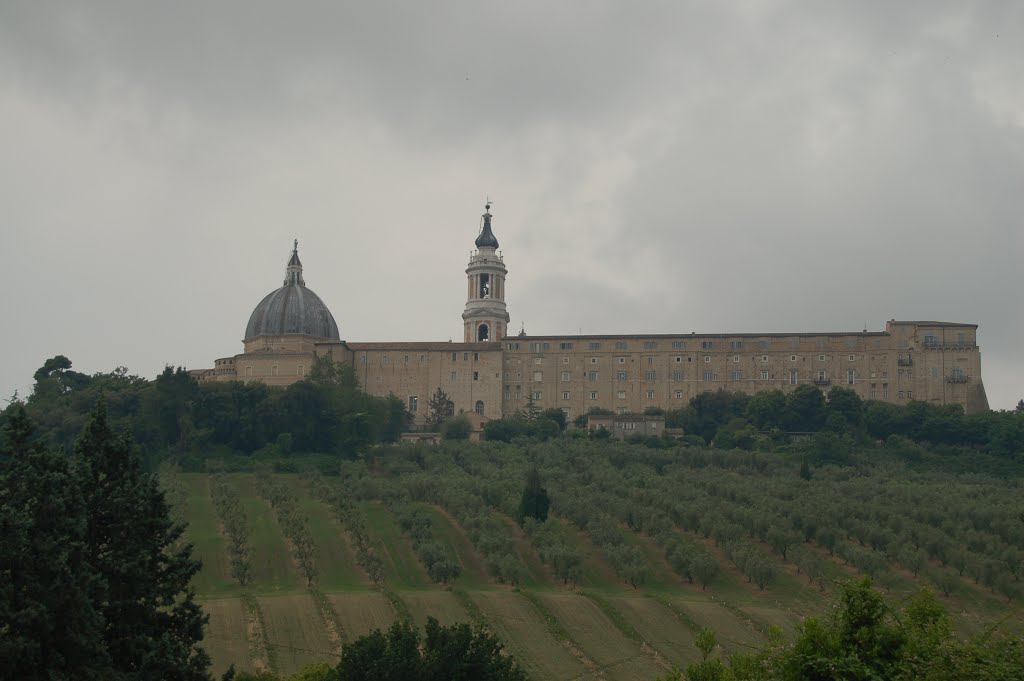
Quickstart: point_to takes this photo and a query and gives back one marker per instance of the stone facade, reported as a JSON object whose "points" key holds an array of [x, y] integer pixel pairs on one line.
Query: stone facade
{"points": [[935, 362]]}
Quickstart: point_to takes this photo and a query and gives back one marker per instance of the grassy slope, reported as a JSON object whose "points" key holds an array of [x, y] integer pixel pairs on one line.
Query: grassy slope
{"points": [[664, 612]]}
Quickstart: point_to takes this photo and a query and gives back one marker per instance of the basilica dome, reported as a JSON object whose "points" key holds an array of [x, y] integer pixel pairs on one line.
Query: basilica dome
{"points": [[292, 309]]}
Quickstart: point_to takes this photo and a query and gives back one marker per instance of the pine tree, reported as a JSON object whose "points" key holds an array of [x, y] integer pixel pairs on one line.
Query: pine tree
{"points": [[49, 628], [534, 502], [152, 623]]}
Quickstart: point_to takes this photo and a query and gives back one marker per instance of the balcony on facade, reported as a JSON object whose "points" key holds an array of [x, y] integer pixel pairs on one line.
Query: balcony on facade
{"points": [[822, 381], [905, 361], [956, 378]]}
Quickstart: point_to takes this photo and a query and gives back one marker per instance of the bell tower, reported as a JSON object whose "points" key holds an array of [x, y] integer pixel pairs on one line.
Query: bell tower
{"points": [[485, 317]]}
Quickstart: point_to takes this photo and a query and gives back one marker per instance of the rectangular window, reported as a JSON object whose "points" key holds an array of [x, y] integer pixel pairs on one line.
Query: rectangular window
{"points": [[593, 360], [465, 357], [764, 358], [650, 375], [455, 375], [518, 393], [736, 358], [565, 346], [792, 376], [764, 375], [935, 372], [273, 370], [248, 370], [414, 403], [650, 345], [565, 395], [821, 358], [794, 343], [851, 358], [537, 395], [476, 375], [593, 394], [678, 394], [455, 356], [565, 377], [362, 358], [423, 359], [931, 340], [621, 394], [735, 375], [679, 360], [650, 360], [819, 344], [565, 360], [301, 371], [405, 359], [850, 376], [508, 395], [595, 346], [910, 394], [707, 358], [621, 345], [765, 344], [709, 375], [821, 377], [476, 356], [679, 344], [736, 344], [677, 375], [899, 394], [707, 345], [538, 376], [650, 394], [538, 360], [621, 376], [591, 375]]}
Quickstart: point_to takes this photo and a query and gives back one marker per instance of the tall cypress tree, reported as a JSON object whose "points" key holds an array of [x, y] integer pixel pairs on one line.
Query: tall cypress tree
{"points": [[49, 628], [152, 624]]}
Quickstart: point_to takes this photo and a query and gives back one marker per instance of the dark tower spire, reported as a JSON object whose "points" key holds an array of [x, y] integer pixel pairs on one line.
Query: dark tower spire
{"points": [[486, 238]]}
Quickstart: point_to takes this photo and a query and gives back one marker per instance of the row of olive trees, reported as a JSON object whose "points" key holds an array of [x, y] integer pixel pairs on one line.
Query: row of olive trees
{"points": [[344, 511], [555, 550], [417, 524], [228, 506], [293, 522]]}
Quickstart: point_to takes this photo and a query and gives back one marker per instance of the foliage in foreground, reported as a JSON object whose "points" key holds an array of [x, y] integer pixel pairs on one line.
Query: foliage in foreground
{"points": [[864, 637], [444, 653], [93, 578]]}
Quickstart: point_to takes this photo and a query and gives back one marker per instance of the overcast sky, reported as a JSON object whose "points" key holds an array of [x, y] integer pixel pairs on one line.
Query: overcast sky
{"points": [[656, 167]]}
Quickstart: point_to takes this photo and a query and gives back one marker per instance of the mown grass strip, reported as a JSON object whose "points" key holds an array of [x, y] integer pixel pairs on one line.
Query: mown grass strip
{"points": [[335, 632], [681, 615], [613, 614], [475, 613], [554, 626], [261, 654], [401, 608]]}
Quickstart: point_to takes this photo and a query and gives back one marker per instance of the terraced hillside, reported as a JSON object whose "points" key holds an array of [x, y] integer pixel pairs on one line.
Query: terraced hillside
{"points": [[603, 589]]}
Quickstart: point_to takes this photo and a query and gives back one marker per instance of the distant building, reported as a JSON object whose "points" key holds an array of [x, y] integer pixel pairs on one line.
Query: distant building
{"points": [[625, 425], [493, 374]]}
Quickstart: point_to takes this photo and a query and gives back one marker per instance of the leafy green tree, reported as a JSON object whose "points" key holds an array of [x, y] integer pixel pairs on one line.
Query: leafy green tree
{"points": [[49, 626], [153, 625], [456, 428], [453, 653], [325, 371], [554, 414], [534, 502], [805, 409]]}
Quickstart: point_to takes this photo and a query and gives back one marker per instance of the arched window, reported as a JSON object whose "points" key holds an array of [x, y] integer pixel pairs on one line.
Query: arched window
{"points": [[479, 409], [483, 333]]}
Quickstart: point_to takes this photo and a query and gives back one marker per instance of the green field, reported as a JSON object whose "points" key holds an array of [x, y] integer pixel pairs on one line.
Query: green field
{"points": [[608, 629]]}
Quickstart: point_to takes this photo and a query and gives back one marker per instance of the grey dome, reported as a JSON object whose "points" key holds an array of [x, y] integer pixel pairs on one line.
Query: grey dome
{"points": [[292, 309]]}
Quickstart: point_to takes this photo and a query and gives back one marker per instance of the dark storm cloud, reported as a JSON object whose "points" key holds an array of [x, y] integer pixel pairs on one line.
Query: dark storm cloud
{"points": [[659, 167]]}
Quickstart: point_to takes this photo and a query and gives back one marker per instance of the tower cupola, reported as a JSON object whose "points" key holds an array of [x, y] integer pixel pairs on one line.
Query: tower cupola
{"points": [[485, 317]]}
